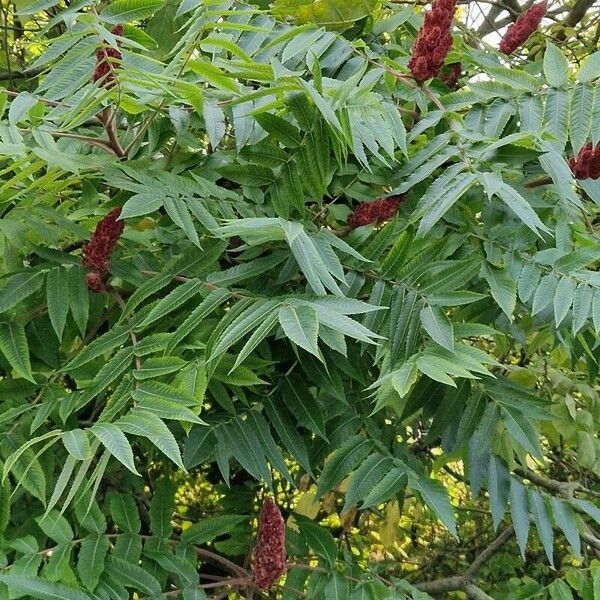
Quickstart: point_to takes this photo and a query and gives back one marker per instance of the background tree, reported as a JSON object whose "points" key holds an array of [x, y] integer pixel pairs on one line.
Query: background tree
{"points": [[299, 300]]}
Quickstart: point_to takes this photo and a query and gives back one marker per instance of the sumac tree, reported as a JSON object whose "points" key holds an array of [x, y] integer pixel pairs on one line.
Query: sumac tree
{"points": [[296, 301]]}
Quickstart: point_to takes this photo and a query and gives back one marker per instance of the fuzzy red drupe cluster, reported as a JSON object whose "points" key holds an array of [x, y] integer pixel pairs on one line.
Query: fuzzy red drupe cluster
{"points": [[586, 165], [527, 23], [451, 74], [433, 42], [96, 253], [107, 59], [375, 212], [269, 553]]}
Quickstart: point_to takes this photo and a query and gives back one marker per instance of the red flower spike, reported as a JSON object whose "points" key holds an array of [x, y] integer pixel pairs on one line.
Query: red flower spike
{"points": [[375, 212], [95, 282], [433, 42], [96, 253], [107, 59], [586, 165], [451, 75], [527, 23], [269, 553]]}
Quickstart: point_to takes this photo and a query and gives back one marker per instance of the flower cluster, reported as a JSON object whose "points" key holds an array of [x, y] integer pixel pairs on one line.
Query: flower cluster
{"points": [[451, 75], [96, 253], [107, 59], [269, 553], [518, 33], [586, 165], [374, 212], [433, 42]]}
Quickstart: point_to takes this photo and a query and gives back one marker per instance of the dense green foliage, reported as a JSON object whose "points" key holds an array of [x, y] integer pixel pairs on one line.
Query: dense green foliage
{"points": [[411, 392]]}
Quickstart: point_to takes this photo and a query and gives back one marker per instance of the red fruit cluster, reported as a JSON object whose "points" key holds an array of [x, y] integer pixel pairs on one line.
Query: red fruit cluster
{"points": [[96, 253], [107, 59], [527, 23], [451, 75], [586, 165], [433, 42], [269, 553], [374, 212]]}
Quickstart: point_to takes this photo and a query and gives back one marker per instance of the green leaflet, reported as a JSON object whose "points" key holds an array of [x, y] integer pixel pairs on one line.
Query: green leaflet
{"points": [[77, 444], [556, 67], [172, 301], [245, 447], [18, 287], [438, 326], [57, 290], [125, 11], [519, 509], [363, 480], [148, 424], [502, 288], [543, 524], [318, 538], [14, 346], [208, 529], [342, 462], [161, 508], [300, 401], [436, 497], [336, 13], [56, 526], [90, 564], [114, 440], [124, 512], [564, 517], [132, 576], [282, 422], [300, 324], [40, 588], [115, 367], [101, 345]]}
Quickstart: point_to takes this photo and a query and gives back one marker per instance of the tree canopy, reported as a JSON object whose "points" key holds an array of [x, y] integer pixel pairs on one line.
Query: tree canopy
{"points": [[299, 300]]}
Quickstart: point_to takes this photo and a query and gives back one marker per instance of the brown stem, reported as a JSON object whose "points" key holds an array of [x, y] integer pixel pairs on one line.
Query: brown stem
{"points": [[241, 572], [104, 144], [591, 539], [489, 552], [317, 570], [237, 582], [5, 43], [447, 584], [476, 593], [73, 246], [564, 488], [540, 181], [460, 582], [107, 118]]}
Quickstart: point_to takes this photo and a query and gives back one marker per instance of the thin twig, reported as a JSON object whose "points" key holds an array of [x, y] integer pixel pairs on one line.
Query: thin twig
{"points": [[460, 582], [489, 552], [240, 571], [540, 181], [107, 118], [476, 593], [237, 582], [564, 488]]}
